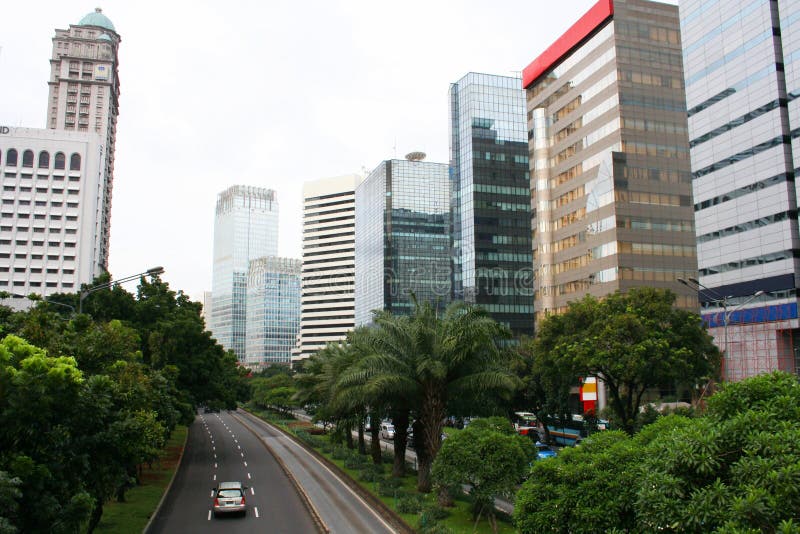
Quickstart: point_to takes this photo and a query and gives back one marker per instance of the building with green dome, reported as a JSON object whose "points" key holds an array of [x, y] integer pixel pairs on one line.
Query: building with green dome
{"points": [[84, 95]]}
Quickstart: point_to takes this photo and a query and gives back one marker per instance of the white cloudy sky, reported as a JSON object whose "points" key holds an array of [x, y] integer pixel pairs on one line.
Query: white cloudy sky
{"points": [[265, 93]]}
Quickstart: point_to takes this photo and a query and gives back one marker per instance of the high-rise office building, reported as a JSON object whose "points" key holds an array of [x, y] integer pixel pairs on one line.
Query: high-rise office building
{"points": [[84, 97], [328, 277], [491, 198], [402, 244], [742, 75], [273, 310], [56, 200], [245, 228], [610, 177]]}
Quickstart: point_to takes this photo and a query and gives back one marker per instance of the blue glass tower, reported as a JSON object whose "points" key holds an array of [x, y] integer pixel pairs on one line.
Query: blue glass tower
{"points": [[402, 237], [491, 198]]}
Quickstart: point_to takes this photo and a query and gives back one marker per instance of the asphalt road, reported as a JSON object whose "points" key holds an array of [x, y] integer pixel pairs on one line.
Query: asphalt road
{"points": [[339, 508], [220, 449]]}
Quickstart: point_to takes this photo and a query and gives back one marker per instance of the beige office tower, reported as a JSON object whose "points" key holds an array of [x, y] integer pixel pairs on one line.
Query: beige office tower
{"points": [[327, 305], [84, 96], [610, 173]]}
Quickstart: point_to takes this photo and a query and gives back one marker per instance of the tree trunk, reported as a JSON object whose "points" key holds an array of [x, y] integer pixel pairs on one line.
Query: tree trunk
{"points": [[400, 420], [423, 461], [432, 413], [97, 513], [362, 446], [348, 436], [375, 438]]}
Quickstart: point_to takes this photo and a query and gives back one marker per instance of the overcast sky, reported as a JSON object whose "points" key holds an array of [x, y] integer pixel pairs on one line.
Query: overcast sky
{"points": [[271, 94]]}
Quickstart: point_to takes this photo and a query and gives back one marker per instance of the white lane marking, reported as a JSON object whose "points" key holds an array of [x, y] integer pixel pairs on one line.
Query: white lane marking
{"points": [[242, 455], [248, 476], [215, 456], [256, 510], [215, 465], [213, 448], [240, 447], [212, 493], [215, 477], [252, 491], [209, 515], [245, 464]]}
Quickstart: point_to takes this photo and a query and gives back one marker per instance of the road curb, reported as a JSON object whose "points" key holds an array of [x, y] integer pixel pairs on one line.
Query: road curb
{"points": [[396, 521], [169, 485], [321, 526]]}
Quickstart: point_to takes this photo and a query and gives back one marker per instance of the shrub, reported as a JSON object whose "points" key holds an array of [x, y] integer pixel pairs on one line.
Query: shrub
{"points": [[340, 452], [354, 461], [410, 504], [390, 487]]}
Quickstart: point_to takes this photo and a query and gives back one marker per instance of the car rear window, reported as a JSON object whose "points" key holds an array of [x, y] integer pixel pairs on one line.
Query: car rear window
{"points": [[228, 493]]}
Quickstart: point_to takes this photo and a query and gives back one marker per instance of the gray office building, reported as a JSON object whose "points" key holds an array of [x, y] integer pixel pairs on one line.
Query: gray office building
{"points": [[742, 75], [491, 246], [402, 244]]}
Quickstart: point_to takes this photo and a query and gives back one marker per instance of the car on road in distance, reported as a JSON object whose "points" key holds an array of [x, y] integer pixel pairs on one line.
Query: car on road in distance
{"points": [[229, 498], [387, 431]]}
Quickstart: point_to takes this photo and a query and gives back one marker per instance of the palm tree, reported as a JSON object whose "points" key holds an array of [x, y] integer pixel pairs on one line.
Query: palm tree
{"points": [[424, 360]]}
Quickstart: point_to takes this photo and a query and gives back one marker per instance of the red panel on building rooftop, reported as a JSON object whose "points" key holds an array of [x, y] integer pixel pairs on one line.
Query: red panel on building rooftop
{"points": [[574, 35]]}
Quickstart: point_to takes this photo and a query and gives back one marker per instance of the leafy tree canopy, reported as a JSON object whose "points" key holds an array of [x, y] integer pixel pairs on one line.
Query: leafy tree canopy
{"points": [[634, 341]]}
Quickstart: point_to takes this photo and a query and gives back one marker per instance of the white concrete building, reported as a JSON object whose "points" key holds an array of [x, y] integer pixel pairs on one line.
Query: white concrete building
{"points": [[51, 224], [327, 307]]}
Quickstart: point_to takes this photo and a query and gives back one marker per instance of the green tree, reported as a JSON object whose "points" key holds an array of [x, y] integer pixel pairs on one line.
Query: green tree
{"points": [[735, 470], [488, 456], [9, 506], [432, 359], [634, 341]]}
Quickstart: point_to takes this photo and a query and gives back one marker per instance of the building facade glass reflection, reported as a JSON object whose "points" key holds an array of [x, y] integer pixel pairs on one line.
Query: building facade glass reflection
{"points": [[610, 178], [273, 310], [402, 237], [245, 228], [490, 205]]}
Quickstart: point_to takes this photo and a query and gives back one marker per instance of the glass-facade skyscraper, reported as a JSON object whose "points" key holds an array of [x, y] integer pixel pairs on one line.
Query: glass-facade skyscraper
{"points": [[742, 74], [402, 237], [245, 228], [491, 231], [273, 310]]}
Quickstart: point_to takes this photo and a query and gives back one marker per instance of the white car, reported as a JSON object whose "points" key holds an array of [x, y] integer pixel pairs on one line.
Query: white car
{"points": [[387, 431]]}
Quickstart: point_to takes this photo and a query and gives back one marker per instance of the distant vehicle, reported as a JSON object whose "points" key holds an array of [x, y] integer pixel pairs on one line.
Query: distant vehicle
{"points": [[544, 451], [229, 499], [387, 431]]}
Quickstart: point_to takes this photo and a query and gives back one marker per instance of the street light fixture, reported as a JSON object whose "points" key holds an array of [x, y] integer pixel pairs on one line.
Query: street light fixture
{"points": [[39, 298], [723, 301], [86, 292]]}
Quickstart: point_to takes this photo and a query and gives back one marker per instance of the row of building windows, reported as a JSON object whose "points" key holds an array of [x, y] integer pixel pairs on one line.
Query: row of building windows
{"points": [[24, 256], [41, 203], [60, 160], [746, 190], [33, 283], [750, 262], [749, 225]]}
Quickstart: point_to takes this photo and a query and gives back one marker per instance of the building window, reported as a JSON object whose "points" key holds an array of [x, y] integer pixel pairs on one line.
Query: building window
{"points": [[61, 161], [75, 162], [44, 159], [11, 157], [27, 158]]}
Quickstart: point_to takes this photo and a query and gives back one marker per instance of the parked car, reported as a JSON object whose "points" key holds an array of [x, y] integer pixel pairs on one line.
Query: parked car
{"points": [[544, 451], [229, 498], [387, 431]]}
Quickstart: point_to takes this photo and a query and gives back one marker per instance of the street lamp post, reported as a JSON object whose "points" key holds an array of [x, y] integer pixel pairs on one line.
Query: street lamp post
{"points": [[695, 284], [86, 292]]}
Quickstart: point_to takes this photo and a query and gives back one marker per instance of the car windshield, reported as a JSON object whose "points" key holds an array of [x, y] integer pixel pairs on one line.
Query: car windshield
{"points": [[228, 493]]}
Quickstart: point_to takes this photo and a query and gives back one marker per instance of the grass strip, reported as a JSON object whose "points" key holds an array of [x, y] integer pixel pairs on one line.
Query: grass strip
{"points": [[131, 516]]}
